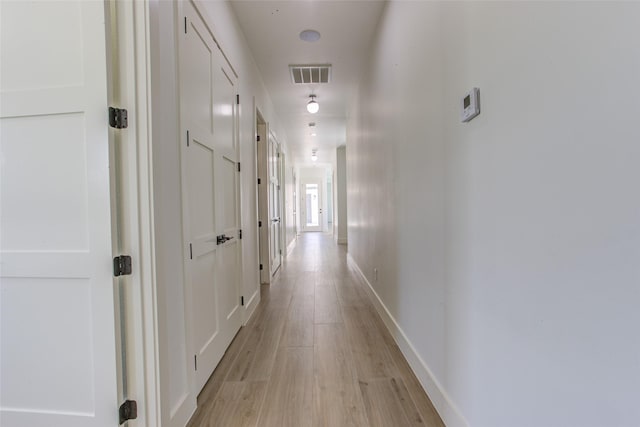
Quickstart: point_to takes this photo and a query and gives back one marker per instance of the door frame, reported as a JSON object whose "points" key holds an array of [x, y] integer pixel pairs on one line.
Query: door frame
{"points": [[262, 196], [128, 86]]}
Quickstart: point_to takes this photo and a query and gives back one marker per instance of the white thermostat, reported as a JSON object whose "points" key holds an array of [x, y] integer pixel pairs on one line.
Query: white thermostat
{"points": [[470, 105]]}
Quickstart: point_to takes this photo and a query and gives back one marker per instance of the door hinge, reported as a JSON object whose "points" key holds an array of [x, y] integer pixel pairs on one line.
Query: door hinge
{"points": [[259, 223], [187, 138], [128, 411], [195, 362], [185, 25], [259, 181], [118, 118], [238, 166], [280, 251], [260, 266], [190, 251], [278, 154], [237, 99], [122, 265], [241, 300], [258, 138], [240, 234], [278, 188]]}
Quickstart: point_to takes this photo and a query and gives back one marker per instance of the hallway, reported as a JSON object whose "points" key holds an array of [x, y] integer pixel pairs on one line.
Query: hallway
{"points": [[315, 353]]}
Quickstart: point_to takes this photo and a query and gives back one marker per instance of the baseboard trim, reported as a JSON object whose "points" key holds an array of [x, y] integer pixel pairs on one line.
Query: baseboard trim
{"points": [[341, 240], [252, 305], [447, 410]]}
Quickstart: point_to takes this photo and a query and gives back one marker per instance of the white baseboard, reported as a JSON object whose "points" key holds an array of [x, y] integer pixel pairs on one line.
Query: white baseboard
{"points": [[251, 306], [447, 410]]}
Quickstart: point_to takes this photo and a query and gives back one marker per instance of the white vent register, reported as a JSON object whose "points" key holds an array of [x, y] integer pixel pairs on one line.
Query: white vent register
{"points": [[304, 74]]}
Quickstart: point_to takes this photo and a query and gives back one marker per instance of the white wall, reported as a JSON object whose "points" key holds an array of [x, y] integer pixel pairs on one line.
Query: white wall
{"points": [[340, 186], [178, 400], [512, 264]]}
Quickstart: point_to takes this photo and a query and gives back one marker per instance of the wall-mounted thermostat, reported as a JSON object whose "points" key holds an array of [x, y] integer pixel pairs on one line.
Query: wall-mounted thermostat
{"points": [[470, 105]]}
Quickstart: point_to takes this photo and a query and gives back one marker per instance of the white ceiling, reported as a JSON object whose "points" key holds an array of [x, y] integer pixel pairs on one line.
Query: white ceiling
{"points": [[272, 30]]}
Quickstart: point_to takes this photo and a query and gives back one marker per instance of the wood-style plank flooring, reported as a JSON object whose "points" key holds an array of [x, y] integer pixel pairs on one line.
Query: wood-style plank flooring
{"points": [[315, 353]]}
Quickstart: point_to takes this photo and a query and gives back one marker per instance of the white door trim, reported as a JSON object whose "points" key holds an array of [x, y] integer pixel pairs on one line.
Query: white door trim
{"points": [[262, 196], [129, 87]]}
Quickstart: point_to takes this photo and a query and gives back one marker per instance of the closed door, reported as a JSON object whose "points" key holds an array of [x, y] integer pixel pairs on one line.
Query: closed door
{"points": [[210, 194], [58, 348], [312, 206], [275, 206]]}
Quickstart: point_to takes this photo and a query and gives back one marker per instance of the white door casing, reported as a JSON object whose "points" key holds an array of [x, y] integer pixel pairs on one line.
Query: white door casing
{"points": [[210, 194], [57, 309]]}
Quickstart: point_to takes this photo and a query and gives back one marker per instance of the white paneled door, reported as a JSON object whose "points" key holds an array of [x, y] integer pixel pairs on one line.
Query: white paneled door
{"points": [[210, 193], [275, 205], [58, 354]]}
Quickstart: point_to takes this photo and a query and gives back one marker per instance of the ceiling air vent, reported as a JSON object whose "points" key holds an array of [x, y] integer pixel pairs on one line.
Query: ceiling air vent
{"points": [[304, 74]]}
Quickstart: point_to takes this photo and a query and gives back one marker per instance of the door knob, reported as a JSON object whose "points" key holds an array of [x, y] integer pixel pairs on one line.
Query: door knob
{"points": [[223, 239]]}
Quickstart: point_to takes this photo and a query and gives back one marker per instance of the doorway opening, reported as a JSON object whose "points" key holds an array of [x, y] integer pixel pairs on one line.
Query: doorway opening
{"points": [[312, 205], [311, 202]]}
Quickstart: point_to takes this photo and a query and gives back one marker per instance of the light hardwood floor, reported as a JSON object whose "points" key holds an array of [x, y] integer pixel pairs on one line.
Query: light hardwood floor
{"points": [[315, 353]]}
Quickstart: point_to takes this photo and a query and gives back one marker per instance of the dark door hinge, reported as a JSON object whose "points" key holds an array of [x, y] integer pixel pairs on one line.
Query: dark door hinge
{"points": [[278, 154], [280, 251], [187, 138], [238, 166], [237, 99], [240, 234], [195, 362], [190, 251], [259, 223], [241, 300], [122, 265], [128, 411], [118, 118], [258, 138], [259, 181], [185, 25], [260, 266]]}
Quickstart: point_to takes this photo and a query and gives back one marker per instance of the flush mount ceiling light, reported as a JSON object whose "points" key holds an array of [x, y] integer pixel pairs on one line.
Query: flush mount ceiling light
{"points": [[313, 106], [309, 35], [314, 156], [314, 134]]}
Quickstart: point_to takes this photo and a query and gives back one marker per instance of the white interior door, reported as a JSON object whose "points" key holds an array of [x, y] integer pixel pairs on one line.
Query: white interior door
{"points": [[275, 205], [57, 345], [210, 194], [311, 201]]}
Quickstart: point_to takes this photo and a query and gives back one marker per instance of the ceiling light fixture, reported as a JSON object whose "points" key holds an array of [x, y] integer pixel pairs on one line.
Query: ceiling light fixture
{"points": [[314, 134], [314, 156], [313, 106], [309, 35]]}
